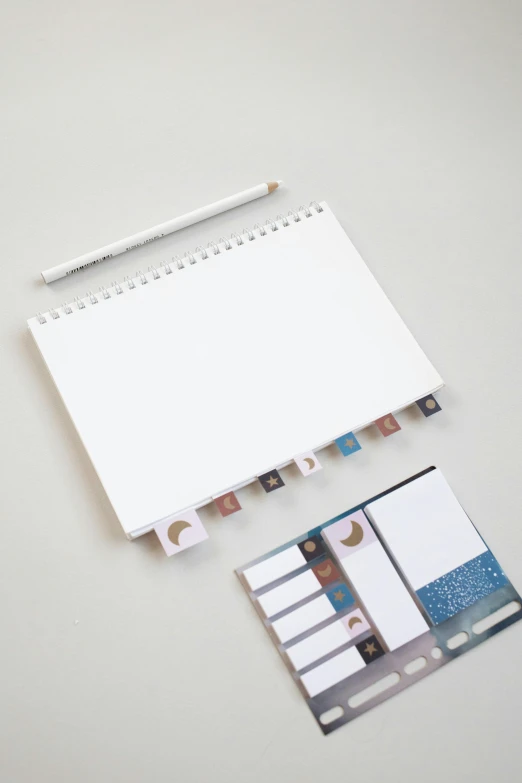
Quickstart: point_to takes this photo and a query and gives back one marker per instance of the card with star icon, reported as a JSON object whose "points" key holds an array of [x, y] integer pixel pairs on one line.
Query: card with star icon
{"points": [[271, 481], [348, 444], [392, 580], [370, 649], [340, 597]]}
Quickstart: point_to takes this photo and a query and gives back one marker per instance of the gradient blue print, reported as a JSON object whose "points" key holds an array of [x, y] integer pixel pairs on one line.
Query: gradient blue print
{"points": [[462, 587]]}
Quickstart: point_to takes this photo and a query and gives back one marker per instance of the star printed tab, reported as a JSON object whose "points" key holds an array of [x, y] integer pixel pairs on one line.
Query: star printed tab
{"points": [[388, 425], [348, 444], [227, 504], [340, 597], [270, 481], [429, 405], [370, 649]]}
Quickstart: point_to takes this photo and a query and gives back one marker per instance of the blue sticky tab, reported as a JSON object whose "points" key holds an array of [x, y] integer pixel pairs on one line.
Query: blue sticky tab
{"points": [[462, 587], [348, 444], [340, 597]]}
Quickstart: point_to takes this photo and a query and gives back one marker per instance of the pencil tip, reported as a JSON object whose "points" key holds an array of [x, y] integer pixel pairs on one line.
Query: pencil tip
{"points": [[274, 185]]}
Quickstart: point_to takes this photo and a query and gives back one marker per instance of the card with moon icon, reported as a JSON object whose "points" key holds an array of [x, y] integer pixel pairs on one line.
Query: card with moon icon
{"points": [[369, 602]]}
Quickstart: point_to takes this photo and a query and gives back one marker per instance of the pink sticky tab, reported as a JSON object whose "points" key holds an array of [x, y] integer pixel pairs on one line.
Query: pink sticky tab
{"points": [[181, 533], [355, 623], [349, 534], [308, 463]]}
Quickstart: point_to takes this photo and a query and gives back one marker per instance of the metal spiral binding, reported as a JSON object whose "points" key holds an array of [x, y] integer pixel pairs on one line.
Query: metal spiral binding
{"points": [[237, 239]]}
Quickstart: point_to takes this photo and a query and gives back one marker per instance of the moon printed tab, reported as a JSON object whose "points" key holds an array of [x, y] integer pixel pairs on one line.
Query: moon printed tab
{"points": [[348, 444], [227, 504], [387, 425], [308, 463], [361, 596], [270, 481], [355, 623], [429, 405], [181, 533]]}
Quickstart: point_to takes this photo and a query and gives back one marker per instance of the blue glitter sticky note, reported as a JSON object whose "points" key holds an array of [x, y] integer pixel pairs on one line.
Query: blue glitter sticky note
{"points": [[462, 587], [348, 444], [340, 597]]}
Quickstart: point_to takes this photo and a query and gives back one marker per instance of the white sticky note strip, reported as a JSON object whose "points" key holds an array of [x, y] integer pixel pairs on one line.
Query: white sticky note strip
{"points": [[318, 644], [289, 593], [302, 619], [333, 671], [382, 592], [274, 568], [426, 529]]}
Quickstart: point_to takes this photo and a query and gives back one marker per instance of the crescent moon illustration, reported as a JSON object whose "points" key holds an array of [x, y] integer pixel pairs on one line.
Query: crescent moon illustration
{"points": [[355, 537], [176, 529], [310, 462], [389, 424], [228, 503], [353, 621], [326, 571]]}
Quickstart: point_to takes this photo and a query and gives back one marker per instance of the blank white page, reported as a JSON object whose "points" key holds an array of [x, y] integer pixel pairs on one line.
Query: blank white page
{"points": [[205, 378], [426, 529]]}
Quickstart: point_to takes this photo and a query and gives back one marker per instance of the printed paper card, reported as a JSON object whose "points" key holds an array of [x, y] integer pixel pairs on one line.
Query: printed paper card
{"points": [[384, 590]]}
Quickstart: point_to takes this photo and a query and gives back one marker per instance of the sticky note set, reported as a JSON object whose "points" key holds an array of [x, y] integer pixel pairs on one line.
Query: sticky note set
{"points": [[382, 589]]}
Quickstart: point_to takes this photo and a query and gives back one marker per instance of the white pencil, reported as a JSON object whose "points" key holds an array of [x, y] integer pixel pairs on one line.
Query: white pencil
{"points": [[156, 232]]}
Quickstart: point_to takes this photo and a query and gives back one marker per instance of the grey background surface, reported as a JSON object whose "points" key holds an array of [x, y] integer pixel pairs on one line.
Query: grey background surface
{"points": [[119, 664]]}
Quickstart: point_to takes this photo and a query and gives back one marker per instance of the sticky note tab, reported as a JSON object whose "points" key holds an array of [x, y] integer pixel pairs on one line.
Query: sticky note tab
{"points": [[227, 504], [308, 463], [383, 595], [300, 620], [181, 533], [317, 645], [349, 534], [326, 572], [355, 623], [340, 597], [429, 405], [387, 425], [271, 481], [370, 649], [275, 567], [311, 548], [289, 593], [333, 671], [348, 444]]}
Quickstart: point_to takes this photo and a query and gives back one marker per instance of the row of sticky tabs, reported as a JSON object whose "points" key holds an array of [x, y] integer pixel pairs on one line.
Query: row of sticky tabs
{"points": [[321, 593], [313, 613], [188, 529]]}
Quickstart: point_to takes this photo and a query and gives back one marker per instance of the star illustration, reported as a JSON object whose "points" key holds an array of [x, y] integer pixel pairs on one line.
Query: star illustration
{"points": [[272, 482], [370, 649], [350, 443], [339, 596]]}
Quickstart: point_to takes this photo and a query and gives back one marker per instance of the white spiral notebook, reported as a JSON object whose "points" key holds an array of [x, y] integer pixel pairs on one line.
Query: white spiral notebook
{"points": [[190, 381]]}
